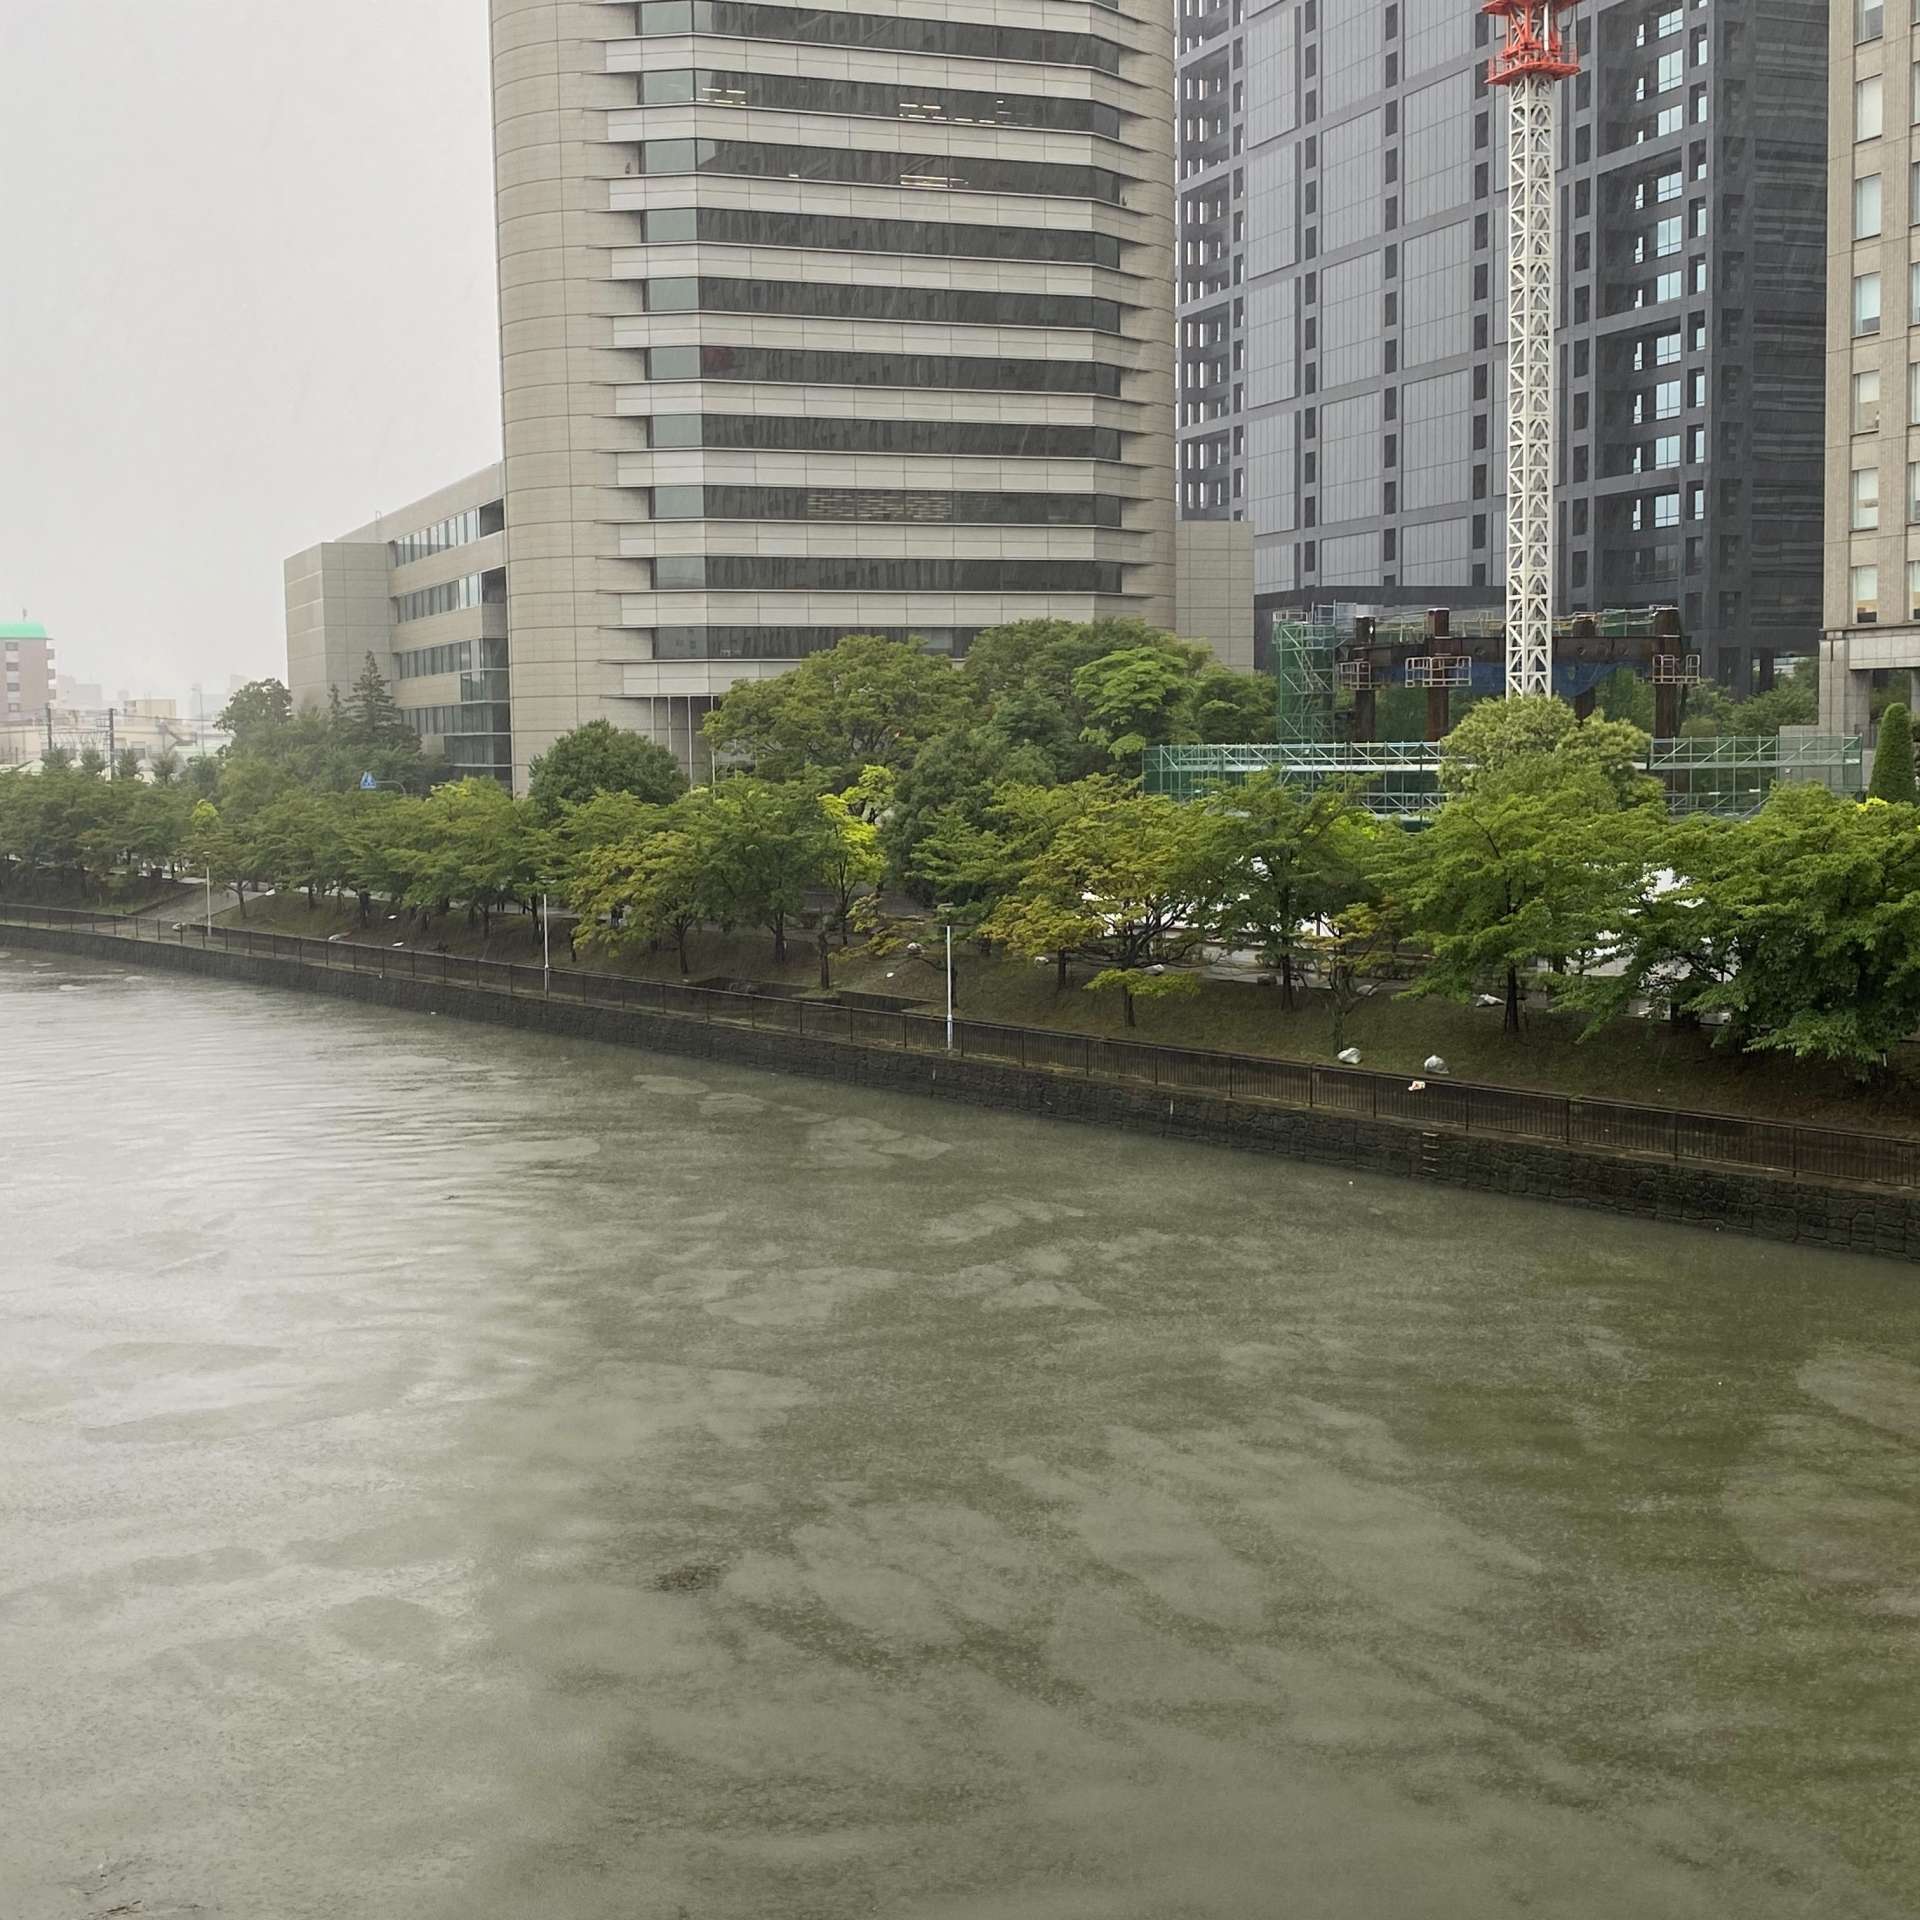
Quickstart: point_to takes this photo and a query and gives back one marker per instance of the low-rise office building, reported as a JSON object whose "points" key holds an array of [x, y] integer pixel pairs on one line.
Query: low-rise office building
{"points": [[423, 589]]}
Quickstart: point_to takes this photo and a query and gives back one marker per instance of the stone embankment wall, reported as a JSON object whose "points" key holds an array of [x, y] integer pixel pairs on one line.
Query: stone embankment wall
{"points": [[1862, 1220]]}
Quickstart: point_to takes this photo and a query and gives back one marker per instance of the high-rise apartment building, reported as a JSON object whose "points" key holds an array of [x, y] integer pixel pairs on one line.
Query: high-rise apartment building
{"points": [[1342, 307], [824, 319], [28, 675], [1873, 357]]}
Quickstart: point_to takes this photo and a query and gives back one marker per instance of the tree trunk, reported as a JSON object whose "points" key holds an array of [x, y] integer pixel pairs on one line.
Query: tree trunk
{"points": [[240, 896], [779, 926], [1512, 1022], [826, 958], [680, 942], [1286, 978], [1126, 1001], [486, 921], [1060, 973], [311, 901], [366, 906]]}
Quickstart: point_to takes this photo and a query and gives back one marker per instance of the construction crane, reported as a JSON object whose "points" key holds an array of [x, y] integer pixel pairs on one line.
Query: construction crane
{"points": [[1532, 63]]}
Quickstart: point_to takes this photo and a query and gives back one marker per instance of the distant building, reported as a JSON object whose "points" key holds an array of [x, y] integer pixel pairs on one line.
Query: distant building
{"points": [[424, 590], [81, 693], [28, 678], [1342, 305], [1873, 362]]}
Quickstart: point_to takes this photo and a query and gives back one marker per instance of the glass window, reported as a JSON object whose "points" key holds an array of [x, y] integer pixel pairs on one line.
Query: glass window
{"points": [[870, 167], [789, 433], [1865, 582], [1869, 19], [826, 300], [1868, 100], [898, 505], [1864, 500], [836, 233], [1866, 303], [448, 598], [814, 573], [664, 225], [739, 19], [1913, 493], [1913, 394], [823, 366], [920, 102], [1866, 207], [1913, 589], [1866, 401]]}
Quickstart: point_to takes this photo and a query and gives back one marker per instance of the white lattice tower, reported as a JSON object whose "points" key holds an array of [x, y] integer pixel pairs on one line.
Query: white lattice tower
{"points": [[1530, 66]]}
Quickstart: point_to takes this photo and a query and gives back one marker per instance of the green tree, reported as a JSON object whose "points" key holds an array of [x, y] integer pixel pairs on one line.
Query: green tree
{"points": [[649, 887], [470, 844], [853, 862], [1535, 862], [371, 716], [1228, 707], [126, 764], [602, 758], [764, 845], [1893, 759], [299, 843], [212, 847], [1127, 882], [379, 846], [868, 701], [56, 760], [1288, 858], [951, 787], [92, 762], [257, 713], [1806, 919], [1496, 737], [1136, 698], [165, 767]]}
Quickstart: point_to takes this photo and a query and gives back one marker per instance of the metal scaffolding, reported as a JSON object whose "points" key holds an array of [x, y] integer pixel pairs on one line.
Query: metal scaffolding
{"points": [[1303, 671], [1400, 779]]}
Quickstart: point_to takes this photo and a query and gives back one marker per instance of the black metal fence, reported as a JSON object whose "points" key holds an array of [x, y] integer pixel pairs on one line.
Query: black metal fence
{"points": [[1509, 1113]]}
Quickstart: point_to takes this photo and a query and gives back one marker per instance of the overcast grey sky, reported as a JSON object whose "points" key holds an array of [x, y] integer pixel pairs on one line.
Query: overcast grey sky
{"points": [[248, 303]]}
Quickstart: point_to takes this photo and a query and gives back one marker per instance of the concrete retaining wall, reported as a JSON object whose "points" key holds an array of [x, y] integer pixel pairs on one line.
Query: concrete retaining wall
{"points": [[1860, 1219]]}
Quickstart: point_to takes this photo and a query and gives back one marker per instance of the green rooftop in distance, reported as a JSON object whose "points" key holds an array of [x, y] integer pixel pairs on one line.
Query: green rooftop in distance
{"points": [[23, 630]]}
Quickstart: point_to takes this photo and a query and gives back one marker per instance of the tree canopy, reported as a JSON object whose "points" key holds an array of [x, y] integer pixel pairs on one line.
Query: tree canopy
{"points": [[602, 758]]}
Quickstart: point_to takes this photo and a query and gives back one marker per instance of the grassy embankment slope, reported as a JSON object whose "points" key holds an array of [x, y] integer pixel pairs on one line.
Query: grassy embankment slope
{"points": [[1647, 1062]]}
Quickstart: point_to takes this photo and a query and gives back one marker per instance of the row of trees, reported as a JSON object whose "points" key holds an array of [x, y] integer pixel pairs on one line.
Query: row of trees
{"points": [[1004, 794]]}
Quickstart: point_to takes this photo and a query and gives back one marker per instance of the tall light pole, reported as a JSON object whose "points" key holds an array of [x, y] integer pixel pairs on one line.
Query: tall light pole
{"points": [[1535, 59]]}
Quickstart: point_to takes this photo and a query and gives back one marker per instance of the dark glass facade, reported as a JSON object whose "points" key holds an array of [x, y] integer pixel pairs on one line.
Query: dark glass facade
{"points": [[1342, 307], [887, 506], [803, 433], [824, 366], [817, 300], [834, 233]]}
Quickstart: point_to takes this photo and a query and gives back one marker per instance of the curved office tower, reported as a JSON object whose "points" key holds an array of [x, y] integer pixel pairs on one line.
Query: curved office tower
{"points": [[821, 320]]}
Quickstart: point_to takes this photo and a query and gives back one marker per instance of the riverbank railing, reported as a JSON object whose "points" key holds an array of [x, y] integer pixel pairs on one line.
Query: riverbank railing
{"points": [[1513, 1114]]}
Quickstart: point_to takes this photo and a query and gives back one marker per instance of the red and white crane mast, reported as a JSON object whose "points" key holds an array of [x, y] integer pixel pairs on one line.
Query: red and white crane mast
{"points": [[1532, 63]]}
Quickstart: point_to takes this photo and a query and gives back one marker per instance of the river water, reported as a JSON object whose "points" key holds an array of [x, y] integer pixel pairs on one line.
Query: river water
{"points": [[447, 1472]]}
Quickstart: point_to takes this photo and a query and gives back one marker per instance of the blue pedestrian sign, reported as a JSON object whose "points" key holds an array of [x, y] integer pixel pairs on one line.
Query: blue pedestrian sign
{"points": [[368, 783]]}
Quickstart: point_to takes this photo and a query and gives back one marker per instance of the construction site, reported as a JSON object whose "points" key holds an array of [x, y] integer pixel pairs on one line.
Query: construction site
{"points": [[1335, 666]]}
